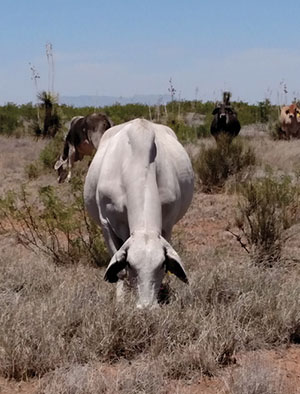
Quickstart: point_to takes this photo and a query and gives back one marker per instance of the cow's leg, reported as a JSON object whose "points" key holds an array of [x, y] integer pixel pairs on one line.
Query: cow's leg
{"points": [[71, 160]]}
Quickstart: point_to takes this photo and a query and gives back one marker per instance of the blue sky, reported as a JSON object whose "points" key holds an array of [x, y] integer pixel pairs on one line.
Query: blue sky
{"points": [[128, 47]]}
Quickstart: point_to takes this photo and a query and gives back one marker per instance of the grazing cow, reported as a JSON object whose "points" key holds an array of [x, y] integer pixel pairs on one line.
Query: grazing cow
{"points": [[139, 184], [289, 119], [82, 139], [225, 120]]}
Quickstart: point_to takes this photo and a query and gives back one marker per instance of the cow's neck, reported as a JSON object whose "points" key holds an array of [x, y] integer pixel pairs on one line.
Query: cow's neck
{"points": [[143, 202]]}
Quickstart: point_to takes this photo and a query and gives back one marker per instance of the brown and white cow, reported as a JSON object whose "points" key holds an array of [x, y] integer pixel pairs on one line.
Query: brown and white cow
{"points": [[289, 119], [82, 139]]}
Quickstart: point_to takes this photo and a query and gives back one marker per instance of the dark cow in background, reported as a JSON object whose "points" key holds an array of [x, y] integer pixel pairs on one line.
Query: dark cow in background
{"points": [[82, 139], [225, 119]]}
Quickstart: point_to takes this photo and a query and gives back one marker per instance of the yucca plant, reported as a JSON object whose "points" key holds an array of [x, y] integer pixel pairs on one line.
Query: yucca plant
{"points": [[48, 103]]}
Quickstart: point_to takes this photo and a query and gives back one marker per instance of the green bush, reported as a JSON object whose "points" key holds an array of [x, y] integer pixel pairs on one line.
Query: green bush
{"points": [[9, 120], [123, 113], [52, 151], [184, 133], [32, 170], [275, 132], [51, 226], [267, 208], [216, 164]]}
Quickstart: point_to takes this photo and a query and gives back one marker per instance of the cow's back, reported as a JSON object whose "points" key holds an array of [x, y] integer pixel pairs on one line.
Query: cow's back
{"points": [[106, 178], [142, 137], [76, 134]]}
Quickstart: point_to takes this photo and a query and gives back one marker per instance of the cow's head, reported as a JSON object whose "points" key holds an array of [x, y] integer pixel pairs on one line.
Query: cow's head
{"points": [[223, 113], [61, 166], [290, 114], [146, 257]]}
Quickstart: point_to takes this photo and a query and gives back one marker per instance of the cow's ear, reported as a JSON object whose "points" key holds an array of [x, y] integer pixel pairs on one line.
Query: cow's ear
{"points": [[173, 263], [215, 111], [117, 263]]}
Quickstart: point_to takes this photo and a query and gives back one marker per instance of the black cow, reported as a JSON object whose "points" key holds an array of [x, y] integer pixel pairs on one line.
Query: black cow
{"points": [[82, 139], [225, 120]]}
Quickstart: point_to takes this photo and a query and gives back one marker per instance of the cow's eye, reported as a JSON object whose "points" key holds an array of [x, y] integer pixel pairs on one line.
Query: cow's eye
{"points": [[287, 111]]}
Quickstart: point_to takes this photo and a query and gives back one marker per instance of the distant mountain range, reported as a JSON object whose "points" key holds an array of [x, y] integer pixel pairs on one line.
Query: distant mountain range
{"points": [[102, 101]]}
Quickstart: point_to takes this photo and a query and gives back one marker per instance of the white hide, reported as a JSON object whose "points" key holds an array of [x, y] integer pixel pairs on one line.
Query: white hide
{"points": [[139, 184]]}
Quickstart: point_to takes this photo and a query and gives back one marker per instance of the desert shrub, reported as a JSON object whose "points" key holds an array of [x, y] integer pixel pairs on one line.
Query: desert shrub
{"points": [[52, 151], [33, 170], [123, 113], [264, 108], [9, 119], [184, 133], [203, 130], [267, 207], [274, 130], [214, 165], [49, 225], [28, 111]]}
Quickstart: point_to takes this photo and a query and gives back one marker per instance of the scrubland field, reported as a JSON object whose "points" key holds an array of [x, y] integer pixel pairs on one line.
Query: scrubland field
{"points": [[235, 329]]}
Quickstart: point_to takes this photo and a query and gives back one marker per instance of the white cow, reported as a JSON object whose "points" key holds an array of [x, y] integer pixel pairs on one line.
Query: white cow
{"points": [[139, 184]]}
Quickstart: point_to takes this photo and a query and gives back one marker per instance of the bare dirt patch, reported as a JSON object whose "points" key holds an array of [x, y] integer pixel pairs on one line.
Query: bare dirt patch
{"points": [[15, 155], [204, 227]]}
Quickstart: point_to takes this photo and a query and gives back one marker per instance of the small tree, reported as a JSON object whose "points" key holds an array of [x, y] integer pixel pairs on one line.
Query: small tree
{"points": [[264, 111]]}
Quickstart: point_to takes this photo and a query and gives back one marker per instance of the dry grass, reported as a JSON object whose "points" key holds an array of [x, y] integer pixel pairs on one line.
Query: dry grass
{"points": [[258, 376], [282, 156], [140, 377], [55, 316], [78, 379], [62, 323]]}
